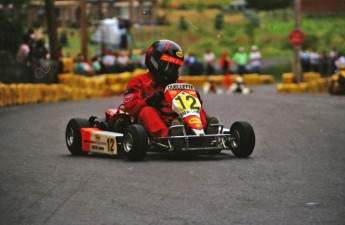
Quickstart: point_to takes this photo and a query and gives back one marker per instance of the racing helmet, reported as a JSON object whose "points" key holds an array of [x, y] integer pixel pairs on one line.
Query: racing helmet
{"points": [[163, 59]]}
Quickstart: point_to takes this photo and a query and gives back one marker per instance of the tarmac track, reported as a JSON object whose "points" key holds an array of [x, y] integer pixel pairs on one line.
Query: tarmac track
{"points": [[295, 175]]}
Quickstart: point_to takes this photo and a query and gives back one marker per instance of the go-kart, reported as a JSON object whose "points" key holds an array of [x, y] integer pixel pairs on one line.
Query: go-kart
{"points": [[118, 132]]}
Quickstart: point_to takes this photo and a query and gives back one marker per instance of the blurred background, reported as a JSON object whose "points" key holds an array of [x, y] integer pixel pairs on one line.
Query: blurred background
{"points": [[40, 37]]}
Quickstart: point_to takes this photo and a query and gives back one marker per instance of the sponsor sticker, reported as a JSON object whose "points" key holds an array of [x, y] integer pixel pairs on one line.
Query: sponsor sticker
{"points": [[171, 59], [179, 86], [179, 54], [128, 98], [195, 121]]}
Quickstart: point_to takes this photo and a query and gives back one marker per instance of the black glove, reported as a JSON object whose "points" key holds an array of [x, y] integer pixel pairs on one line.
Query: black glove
{"points": [[155, 100]]}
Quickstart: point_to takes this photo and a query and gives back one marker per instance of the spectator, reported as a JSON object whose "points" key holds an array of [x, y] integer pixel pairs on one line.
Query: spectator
{"points": [[333, 55], [133, 59], [241, 59], [305, 60], [40, 51], [23, 61], [123, 62], [108, 61], [315, 60], [96, 64], [142, 59], [209, 59], [324, 64], [124, 26], [340, 62], [194, 67], [81, 66], [225, 63], [255, 60], [23, 51]]}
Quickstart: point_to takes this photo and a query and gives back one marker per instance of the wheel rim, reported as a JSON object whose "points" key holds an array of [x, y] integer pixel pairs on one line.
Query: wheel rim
{"points": [[235, 139], [128, 142], [70, 136]]}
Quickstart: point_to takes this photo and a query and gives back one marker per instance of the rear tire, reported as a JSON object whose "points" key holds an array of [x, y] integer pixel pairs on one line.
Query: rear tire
{"points": [[73, 135], [135, 142], [242, 139]]}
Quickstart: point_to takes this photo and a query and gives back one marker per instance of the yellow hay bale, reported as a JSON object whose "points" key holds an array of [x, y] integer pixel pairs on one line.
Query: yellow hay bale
{"points": [[67, 64], [302, 88], [218, 79], [323, 84], [2, 95], [313, 87], [287, 88], [280, 88], [287, 78], [138, 72], [310, 76], [251, 79], [194, 80], [266, 79]]}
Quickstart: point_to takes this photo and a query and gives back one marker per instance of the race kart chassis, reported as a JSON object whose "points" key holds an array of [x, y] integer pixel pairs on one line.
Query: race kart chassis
{"points": [[119, 132], [217, 142]]}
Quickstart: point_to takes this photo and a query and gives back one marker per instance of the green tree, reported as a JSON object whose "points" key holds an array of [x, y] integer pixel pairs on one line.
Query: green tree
{"points": [[183, 24], [219, 21]]}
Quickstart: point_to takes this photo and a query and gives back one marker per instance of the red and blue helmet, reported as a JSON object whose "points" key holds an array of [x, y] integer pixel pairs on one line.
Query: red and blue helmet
{"points": [[163, 59]]}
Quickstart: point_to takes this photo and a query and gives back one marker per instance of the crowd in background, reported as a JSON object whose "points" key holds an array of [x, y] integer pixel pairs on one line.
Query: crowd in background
{"points": [[240, 63], [33, 52], [120, 61], [325, 63], [110, 62]]}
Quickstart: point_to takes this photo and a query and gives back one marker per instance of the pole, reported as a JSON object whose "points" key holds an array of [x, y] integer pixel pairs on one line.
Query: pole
{"points": [[297, 64], [131, 11], [83, 24], [101, 17], [52, 32]]}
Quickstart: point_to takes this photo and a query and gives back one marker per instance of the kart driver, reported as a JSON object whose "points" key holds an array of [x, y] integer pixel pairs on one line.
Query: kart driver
{"points": [[144, 96]]}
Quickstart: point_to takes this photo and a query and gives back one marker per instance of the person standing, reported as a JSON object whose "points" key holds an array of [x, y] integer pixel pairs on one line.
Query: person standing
{"points": [[209, 59], [255, 60], [241, 59], [305, 60], [315, 60], [324, 69], [333, 55], [225, 63]]}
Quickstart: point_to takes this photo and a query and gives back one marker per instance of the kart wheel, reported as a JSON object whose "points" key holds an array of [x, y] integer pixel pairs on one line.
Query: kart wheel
{"points": [[73, 135], [135, 142], [242, 139]]}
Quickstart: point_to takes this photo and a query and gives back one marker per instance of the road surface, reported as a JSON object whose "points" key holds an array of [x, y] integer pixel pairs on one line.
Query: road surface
{"points": [[296, 174]]}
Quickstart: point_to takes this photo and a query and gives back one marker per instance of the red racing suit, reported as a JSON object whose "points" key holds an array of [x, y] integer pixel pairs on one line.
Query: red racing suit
{"points": [[155, 121]]}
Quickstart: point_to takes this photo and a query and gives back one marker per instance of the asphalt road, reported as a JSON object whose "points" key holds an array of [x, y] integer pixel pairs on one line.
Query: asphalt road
{"points": [[296, 174]]}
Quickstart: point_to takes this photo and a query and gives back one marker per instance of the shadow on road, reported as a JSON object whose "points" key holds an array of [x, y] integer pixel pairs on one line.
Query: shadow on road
{"points": [[154, 156]]}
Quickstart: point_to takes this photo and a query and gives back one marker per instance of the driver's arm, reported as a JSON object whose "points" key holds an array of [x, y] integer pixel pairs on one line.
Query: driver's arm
{"points": [[133, 98]]}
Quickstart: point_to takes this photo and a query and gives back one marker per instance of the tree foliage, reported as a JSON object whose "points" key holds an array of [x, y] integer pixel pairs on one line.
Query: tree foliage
{"points": [[269, 4]]}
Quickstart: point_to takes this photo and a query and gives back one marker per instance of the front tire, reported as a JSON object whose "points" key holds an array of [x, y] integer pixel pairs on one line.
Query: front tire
{"points": [[73, 135], [135, 142], [242, 139]]}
